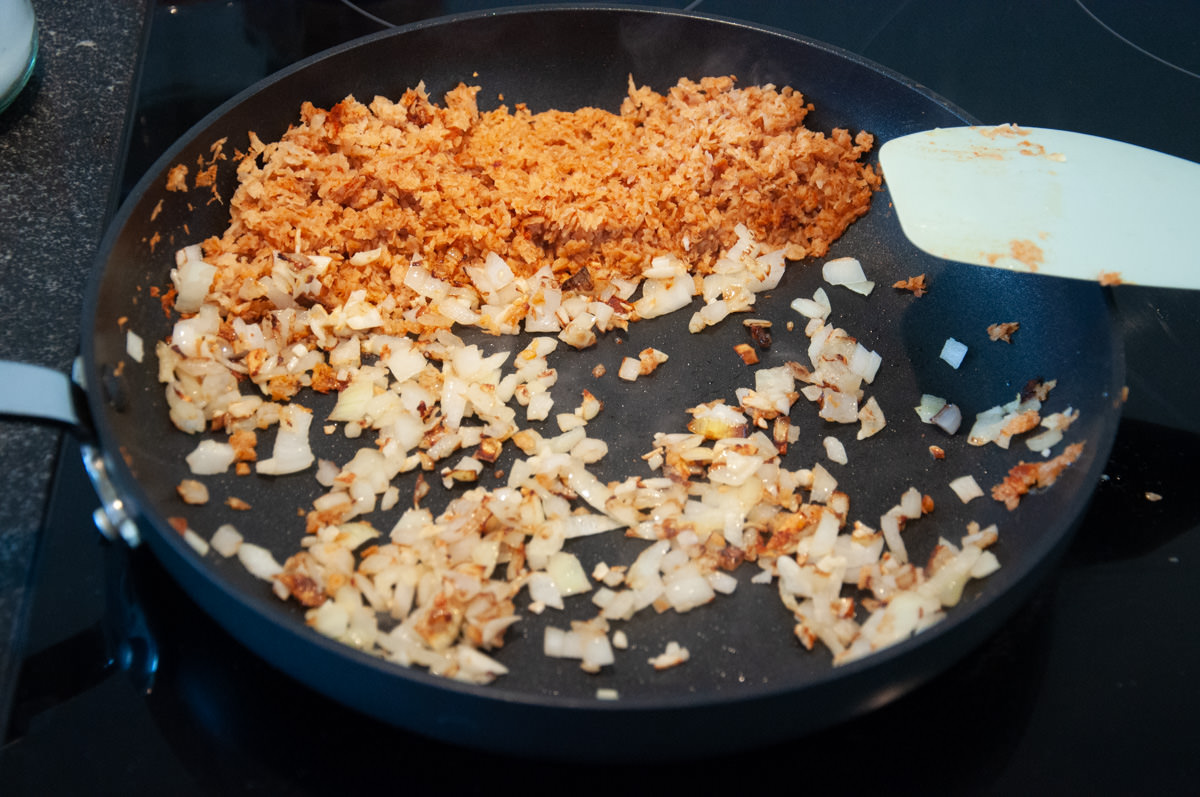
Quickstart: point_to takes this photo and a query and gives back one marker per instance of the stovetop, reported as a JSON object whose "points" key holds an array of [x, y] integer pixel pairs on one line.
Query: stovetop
{"points": [[127, 687]]}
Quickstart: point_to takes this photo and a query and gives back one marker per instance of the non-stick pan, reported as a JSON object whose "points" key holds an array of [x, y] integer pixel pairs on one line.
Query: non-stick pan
{"points": [[749, 681]]}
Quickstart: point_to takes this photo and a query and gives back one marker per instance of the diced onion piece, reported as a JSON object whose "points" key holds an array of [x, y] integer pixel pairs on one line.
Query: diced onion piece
{"points": [[292, 452], [674, 655], [331, 619], [865, 362], [192, 492], [946, 584], [843, 271], [539, 407], [824, 538], [987, 427], [587, 525], [930, 406], [477, 667], [226, 540], [871, 419], [948, 418], [258, 561], [809, 308], [352, 402], [966, 488], [568, 420], [543, 589], [911, 503], [953, 352], [192, 280], [889, 524], [734, 467], [630, 369], [327, 472], [722, 582], [835, 450], [198, 543], [1042, 442], [985, 565], [686, 588], [135, 347], [838, 407], [568, 575], [597, 653], [554, 642], [366, 257], [210, 457], [823, 484], [817, 307]]}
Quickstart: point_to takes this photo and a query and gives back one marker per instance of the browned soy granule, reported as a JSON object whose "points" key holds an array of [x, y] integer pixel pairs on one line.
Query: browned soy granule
{"points": [[672, 173]]}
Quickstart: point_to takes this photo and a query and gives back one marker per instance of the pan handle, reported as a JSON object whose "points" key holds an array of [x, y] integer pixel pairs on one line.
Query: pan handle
{"points": [[39, 393]]}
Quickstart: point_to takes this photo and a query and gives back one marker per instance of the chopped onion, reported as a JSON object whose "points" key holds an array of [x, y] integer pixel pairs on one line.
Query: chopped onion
{"points": [[948, 418], [567, 573], [953, 352], [718, 491], [930, 406], [543, 589], [210, 457], [865, 363], [135, 347], [966, 488], [1044, 441], [292, 452], [871, 419], [863, 287], [198, 543], [226, 540], [674, 655], [843, 271], [258, 561], [823, 484], [911, 503], [192, 280], [630, 369], [686, 588], [838, 407], [352, 402], [817, 307], [889, 524], [192, 492], [985, 565], [835, 450], [987, 427]]}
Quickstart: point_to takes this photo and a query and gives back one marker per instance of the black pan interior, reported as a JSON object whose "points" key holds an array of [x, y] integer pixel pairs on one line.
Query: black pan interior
{"points": [[747, 673]]}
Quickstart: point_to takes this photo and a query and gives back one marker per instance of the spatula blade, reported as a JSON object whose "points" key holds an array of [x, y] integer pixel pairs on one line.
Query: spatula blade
{"points": [[1048, 201]]}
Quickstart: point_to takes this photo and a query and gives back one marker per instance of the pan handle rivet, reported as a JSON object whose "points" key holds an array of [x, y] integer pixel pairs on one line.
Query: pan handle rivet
{"points": [[111, 519]]}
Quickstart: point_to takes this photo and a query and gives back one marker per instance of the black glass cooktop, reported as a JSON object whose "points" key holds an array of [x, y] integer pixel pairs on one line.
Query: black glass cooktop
{"points": [[126, 687]]}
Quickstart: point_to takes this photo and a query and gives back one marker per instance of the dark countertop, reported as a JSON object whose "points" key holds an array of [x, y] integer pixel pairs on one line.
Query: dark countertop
{"points": [[61, 142]]}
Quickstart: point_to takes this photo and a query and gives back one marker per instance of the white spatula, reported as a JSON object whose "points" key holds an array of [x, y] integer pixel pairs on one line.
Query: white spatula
{"points": [[1048, 201]]}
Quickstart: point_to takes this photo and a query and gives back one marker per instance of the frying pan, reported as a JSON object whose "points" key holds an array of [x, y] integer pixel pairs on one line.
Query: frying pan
{"points": [[748, 681]]}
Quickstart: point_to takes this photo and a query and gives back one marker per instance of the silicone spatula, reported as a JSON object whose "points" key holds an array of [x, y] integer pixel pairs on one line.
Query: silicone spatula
{"points": [[1048, 201]]}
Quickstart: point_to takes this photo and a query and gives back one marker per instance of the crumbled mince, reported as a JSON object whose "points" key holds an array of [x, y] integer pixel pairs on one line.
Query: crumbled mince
{"points": [[177, 178], [1004, 331], [916, 285]]}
